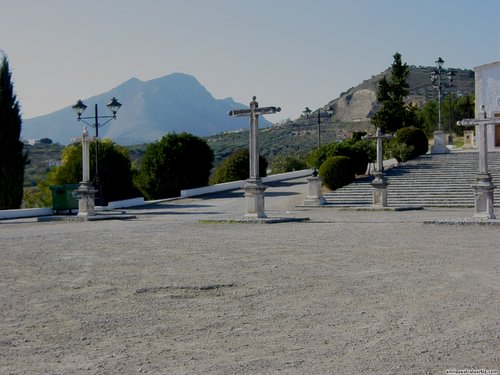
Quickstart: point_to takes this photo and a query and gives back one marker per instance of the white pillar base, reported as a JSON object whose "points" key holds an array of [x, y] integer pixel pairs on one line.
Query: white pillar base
{"points": [[483, 196], [86, 196], [254, 195], [314, 196], [439, 146], [379, 185]]}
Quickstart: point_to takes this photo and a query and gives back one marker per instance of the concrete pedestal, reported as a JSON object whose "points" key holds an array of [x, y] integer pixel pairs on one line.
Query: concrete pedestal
{"points": [[483, 196], [439, 146], [86, 195], [468, 139], [254, 196], [314, 196], [379, 185]]}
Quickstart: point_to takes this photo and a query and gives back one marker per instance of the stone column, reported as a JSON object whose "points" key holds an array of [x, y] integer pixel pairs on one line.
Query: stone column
{"points": [[439, 146], [380, 183], [314, 196], [85, 192], [483, 188]]}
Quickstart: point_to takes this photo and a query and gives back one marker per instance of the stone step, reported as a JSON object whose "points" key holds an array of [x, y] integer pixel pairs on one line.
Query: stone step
{"points": [[429, 181]]}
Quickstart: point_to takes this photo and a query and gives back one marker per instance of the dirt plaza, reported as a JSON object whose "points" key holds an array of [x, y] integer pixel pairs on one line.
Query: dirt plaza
{"points": [[345, 292]]}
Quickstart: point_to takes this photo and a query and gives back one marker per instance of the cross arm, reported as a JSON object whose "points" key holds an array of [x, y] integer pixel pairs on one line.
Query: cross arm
{"points": [[267, 110], [476, 121], [382, 136], [240, 112]]}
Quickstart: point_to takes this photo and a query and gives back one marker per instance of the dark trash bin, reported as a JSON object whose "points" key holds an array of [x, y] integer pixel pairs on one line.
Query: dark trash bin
{"points": [[63, 198]]}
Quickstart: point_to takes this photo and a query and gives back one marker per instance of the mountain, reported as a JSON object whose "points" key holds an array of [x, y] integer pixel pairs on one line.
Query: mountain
{"points": [[150, 109]]}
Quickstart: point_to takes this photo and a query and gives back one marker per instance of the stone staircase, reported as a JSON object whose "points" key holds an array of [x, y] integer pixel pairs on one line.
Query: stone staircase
{"points": [[442, 180]]}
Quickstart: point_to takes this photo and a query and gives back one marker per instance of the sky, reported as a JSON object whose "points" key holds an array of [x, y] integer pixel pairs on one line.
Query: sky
{"points": [[288, 53]]}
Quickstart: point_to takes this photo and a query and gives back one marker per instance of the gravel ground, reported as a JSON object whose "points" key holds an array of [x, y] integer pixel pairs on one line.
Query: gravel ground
{"points": [[347, 292]]}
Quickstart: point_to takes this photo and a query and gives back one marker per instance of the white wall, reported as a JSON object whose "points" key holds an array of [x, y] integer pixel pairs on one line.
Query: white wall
{"points": [[487, 87]]}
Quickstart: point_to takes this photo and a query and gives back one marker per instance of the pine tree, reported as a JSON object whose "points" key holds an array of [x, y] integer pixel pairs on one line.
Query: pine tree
{"points": [[393, 113], [12, 157]]}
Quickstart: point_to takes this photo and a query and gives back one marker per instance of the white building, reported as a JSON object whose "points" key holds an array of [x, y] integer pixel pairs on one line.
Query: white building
{"points": [[487, 81]]}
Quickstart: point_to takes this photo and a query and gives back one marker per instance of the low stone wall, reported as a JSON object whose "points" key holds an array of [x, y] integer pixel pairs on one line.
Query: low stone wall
{"points": [[25, 212], [126, 203], [234, 185]]}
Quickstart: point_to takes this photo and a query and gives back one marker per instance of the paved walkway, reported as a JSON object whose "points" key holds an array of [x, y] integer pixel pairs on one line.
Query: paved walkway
{"points": [[371, 292]]}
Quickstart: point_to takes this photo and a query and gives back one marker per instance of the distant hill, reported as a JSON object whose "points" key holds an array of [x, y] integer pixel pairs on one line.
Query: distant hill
{"points": [[353, 110], [151, 109], [358, 103]]}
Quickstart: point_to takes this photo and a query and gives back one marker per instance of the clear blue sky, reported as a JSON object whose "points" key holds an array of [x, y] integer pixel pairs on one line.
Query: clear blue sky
{"points": [[288, 53]]}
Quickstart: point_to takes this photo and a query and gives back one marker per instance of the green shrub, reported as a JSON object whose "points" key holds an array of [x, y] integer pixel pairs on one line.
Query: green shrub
{"points": [[176, 162], [287, 163], [399, 151], [237, 167], [353, 150], [318, 156], [412, 136], [361, 152], [337, 171]]}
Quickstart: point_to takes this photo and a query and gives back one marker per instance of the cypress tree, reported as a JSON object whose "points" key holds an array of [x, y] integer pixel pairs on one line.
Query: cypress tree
{"points": [[12, 157], [393, 113]]}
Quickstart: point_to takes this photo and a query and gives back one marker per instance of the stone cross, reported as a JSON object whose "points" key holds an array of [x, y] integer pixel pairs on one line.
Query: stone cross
{"points": [[85, 192], [484, 187], [254, 189], [379, 183]]}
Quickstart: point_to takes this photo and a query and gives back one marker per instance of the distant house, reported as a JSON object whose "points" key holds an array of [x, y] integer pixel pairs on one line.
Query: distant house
{"points": [[31, 142], [488, 94]]}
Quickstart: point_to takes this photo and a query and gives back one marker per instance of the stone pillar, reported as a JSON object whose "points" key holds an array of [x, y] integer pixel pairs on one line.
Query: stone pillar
{"points": [[314, 196], [254, 196], [483, 189], [86, 196], [439, 146], [468, 139], [253, 141], [483, 197], [85, 192], [379, 185]]}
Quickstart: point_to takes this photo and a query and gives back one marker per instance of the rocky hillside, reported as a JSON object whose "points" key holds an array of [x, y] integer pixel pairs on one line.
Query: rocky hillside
{"points": [[359, 103]]}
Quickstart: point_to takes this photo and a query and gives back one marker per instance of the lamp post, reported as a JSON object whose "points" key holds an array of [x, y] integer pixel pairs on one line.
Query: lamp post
{"points": [[439, 146], [436, 83], [307, 112], [79, 108], [450, 76]]}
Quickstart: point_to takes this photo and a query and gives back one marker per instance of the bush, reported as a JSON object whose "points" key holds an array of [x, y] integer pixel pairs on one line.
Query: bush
{"points": [[318, 156], [237, 167], [399, 151], [412, 136], [359, 151], [336, 172], [287, 163], [176, 162]]}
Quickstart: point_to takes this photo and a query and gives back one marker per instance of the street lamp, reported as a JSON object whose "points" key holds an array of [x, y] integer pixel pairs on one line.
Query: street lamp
{"points": [[436, 83], [450, 76], [79, 108], [307, 112], [436, 77], [439, 146]]}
